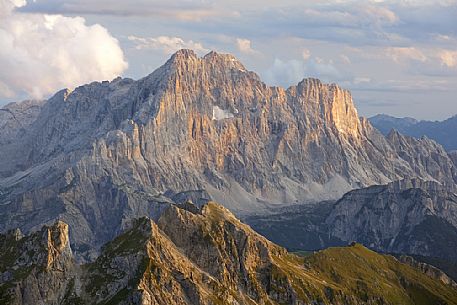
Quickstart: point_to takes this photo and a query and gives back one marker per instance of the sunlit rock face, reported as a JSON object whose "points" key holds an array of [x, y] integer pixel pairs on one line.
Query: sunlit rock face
{"points": [[107, 152]]}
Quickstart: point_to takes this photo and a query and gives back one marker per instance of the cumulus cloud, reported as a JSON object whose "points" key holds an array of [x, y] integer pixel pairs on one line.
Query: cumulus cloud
{"points": [[448, 58], [379, 15], [42, 53], [345, 59], [286, 73], [166, 44], [244, 46], [442, 38], [306, 54], [398, 54]]}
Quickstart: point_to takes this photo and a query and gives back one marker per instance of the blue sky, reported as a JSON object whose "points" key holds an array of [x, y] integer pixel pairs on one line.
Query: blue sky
{"points": [[397, 57]]}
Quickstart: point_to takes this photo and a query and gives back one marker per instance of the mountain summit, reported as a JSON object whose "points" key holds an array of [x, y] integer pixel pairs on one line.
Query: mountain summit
{"points": [[108, 152]]}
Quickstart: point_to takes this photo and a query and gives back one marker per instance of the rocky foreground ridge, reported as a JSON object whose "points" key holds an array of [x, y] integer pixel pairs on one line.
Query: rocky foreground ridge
{"points": [[105, 153], [204, 256]]}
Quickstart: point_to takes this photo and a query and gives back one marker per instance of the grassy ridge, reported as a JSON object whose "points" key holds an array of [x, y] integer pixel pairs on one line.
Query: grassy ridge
{"points": [[375, 278]]}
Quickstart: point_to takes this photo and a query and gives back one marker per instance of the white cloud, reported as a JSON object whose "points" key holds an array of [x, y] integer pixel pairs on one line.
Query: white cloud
{"points": [[378, 15], [442, 38], [40, 53], [7, 6], [448, 58], [319, 60], [244, 46], [399, 54], [345, 59], [361, 80], [344, 15], [166, 44], [306, 54], [286, 73]]}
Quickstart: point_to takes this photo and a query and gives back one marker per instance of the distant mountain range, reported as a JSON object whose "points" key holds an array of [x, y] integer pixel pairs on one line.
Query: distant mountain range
{"points": [[443, 132]]}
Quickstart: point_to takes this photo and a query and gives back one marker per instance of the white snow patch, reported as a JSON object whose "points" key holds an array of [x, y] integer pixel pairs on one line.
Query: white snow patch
{"points": [[221, 114]]}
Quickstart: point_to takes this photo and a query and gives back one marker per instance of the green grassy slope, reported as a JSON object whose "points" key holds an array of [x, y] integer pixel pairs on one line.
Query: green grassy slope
{"points": [[379, 279]]}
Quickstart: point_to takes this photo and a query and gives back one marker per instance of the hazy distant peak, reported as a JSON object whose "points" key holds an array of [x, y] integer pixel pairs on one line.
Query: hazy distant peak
{"points": [[439, 131], [387, 117]]}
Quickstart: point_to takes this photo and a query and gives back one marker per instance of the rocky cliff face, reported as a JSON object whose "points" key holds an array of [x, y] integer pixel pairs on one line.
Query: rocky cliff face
{"points": [[425, 156], [203, 256], [15, 121], [409, 216], [108, 152], [36, 269], [429, 270], [16, 118], [453, 156]]}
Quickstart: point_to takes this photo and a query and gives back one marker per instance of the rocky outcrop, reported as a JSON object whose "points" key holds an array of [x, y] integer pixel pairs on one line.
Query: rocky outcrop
{"points": [[430, 270], [36, 269], [453, 156], [410, 216], [17, 117], [108, 152], [205, 256], [426, 157], [223, 247]]}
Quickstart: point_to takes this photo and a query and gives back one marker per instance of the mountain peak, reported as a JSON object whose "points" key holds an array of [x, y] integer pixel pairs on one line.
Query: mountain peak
{"points": [[214, 57], [393, 134], [186, 58], [180, 58], [184, 54]]}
